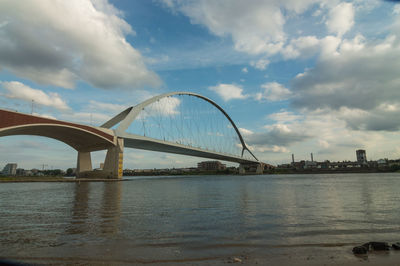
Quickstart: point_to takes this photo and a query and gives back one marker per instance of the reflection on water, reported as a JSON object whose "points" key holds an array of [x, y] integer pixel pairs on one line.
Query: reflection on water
{"points": [[111, 208], [94, 213], [172, 218], [80, 209]]}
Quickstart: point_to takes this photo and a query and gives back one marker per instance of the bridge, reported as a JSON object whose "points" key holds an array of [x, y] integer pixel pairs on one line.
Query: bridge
{"points": [[178, 122]]}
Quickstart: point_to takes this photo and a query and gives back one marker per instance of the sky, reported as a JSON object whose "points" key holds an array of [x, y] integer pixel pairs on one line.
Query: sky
{"points": [[301, 77]]}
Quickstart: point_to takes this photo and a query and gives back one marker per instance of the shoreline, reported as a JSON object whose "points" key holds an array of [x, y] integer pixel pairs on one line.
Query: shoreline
{"points": [[296, 256], [22, 179], [55, 179]]}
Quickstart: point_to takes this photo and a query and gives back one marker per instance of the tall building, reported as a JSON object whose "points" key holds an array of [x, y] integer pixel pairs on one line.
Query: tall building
{"points": [[10, 169], [361, 156]]}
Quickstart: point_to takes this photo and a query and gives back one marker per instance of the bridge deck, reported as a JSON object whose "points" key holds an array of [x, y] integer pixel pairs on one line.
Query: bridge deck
{"points": [[80, 137], [145, 143]]}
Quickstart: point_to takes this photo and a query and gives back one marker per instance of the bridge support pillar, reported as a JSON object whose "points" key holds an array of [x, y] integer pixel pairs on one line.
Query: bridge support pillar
{"points": [[84, 163], [113, 164], [242, 170], [260, 169], [257, 169]]}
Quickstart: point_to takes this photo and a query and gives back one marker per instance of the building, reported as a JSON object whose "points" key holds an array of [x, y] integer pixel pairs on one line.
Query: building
{"points": [[20, 172], [211, 166], [310, 164], [361, 156], [10, 169]]}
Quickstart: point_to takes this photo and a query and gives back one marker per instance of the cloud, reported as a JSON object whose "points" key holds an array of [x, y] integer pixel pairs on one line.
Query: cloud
{"points": [[268, 149], [245, 132], [86, 117], [273, 91], [278, 134], [245, 70], [228, 91], [256, 27], [382, 118], [44, 115], [18, 90], [259, 27], [319, 131], [261, 64], [324, 132], [30, 144], [396, 9], [304, 46], [257, 142], [285, 116], [330, 133], [168, 106], [341, 18], [61, 42], [361, 77], [111, 108]]}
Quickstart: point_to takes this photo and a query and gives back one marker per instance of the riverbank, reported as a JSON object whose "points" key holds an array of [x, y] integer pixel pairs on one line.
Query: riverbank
{"points": [[17, 179], [12, 179], [281, 256], [278, 171]]}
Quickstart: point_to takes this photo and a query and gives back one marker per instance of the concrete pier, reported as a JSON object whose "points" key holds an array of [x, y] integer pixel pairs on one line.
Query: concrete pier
{"points": [[113, 163]]}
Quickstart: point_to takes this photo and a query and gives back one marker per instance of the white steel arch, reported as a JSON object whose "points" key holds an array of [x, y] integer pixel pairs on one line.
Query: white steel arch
{"points": [[126, 117]]}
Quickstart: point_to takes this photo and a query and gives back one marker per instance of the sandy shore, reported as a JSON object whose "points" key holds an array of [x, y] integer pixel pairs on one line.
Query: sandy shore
{"points": [[301, 257]]}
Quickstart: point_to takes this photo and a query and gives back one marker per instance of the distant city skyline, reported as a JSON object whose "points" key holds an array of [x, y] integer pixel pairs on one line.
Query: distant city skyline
{"points": [[360, 159], [297, 77]]}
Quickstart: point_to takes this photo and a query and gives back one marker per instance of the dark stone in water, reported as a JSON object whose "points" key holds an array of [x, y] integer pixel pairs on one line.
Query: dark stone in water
{"points": [[366, 245], [396, 246], [378, 245], [360, 250]]}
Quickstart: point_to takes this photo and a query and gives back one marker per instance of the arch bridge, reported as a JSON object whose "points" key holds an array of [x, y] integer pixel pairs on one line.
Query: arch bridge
{"points": [[178, 122]]}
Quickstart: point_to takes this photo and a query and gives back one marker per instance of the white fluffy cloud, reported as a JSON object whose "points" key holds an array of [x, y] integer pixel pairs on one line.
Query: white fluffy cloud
{"points": [[284, 116], [260, 143], [261, 64], [256, 27], [323, 132], [304, 46], [168, 106], [396, 9], [341, 18], [60, 42], [273, 91], [18, 90], [245, 132], [361, 77], [111, 108], [282, 135], [228, 91], [89, 118]]}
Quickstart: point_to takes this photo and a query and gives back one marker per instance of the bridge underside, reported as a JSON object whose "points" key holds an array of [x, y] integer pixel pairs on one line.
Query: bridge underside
{"points": [[81, 140], [76, 138]]}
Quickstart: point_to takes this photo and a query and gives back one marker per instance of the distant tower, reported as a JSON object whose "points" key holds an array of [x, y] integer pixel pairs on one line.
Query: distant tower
{"points": [[312, 158], [361, 156], [292, 158], [10, 169]]}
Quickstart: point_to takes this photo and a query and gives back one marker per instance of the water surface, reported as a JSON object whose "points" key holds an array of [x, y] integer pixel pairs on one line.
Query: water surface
{"points": [[195, 218]]}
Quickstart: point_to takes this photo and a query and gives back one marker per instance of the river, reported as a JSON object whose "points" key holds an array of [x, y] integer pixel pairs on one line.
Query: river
{"points": [[197, 219]]}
